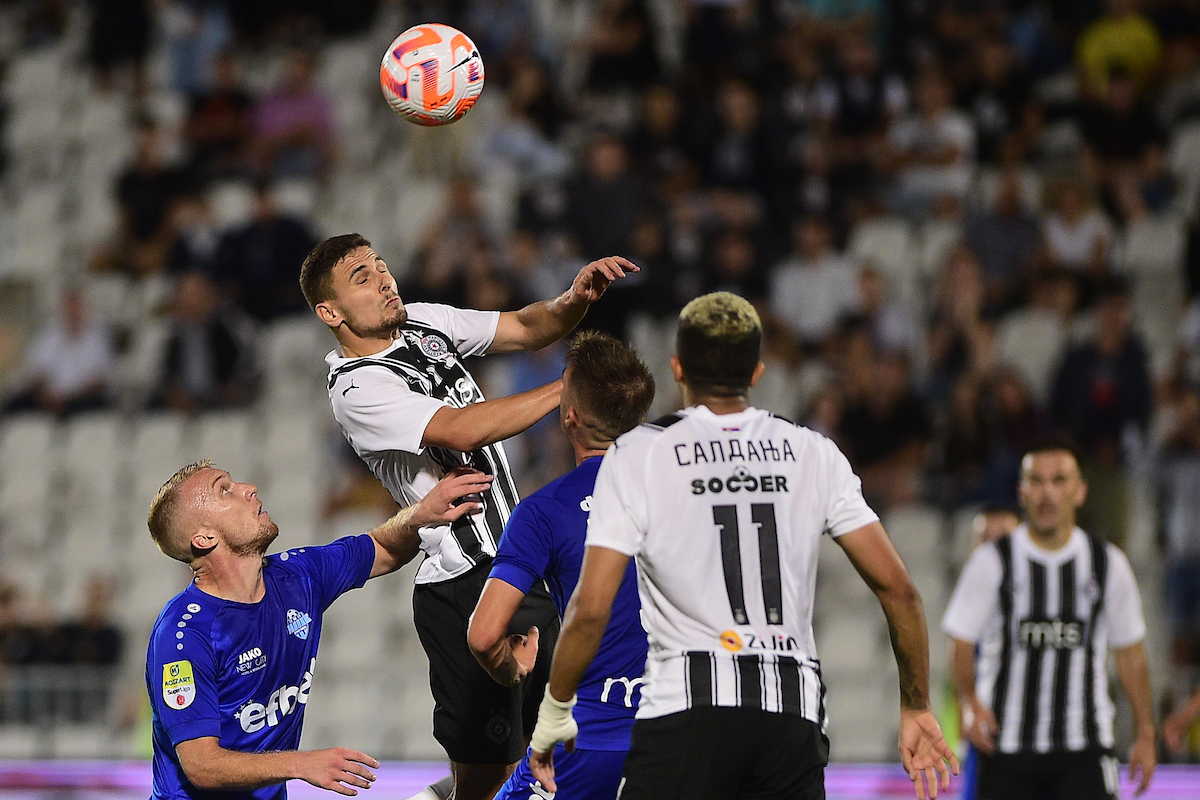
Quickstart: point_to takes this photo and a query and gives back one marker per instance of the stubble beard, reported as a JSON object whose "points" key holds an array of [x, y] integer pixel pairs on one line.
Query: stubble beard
{"points": [[385, 328], [267, 533]]}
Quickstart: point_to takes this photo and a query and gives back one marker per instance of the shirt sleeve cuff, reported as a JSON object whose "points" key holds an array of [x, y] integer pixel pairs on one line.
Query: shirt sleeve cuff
{"points": [[955, 632], [194, 729], [514, 575], [854, 524], [491, 334], [418, 446], [1128, 641], [622, 547], [366, 559]]}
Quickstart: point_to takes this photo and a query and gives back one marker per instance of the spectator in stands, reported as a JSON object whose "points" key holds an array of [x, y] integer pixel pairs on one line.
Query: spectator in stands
{"points": [[932, 151], [68, 365], [1000, 99], [196, 235], [209, 355], [961, 334], [1179, 513], [836, 20], [886, 435], [259, 263], [1017, 423], [734, 266], [217, 127], [94, 638], [521, 140], [1121, 39], [145, 194], [293, 125], [605, 203], [1102, 399], [736, 155], [964, 445], [892, 329], [658, 145], [815, 286], [993, 522], [1076, 236], [119, 36], [1032, 339], [1005, 239], [622, 46]]}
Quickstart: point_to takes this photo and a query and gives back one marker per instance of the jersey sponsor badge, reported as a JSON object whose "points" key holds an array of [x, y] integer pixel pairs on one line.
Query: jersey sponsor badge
{"points": [[297, 623], [179, 687], [434, 346]]}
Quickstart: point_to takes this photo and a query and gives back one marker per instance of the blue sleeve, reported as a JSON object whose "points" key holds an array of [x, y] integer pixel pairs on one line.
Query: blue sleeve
{"points": [[334, 568], [524, 554], [183, 681]]}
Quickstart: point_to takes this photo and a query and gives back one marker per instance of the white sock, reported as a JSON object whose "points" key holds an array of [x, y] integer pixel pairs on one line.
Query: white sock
{"points": [[436, 791]]}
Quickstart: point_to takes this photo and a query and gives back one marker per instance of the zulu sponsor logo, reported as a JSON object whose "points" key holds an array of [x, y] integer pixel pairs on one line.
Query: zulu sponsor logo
{"points": [[282, 703], [629, 685], [734, 642], [722, 452], [251, 661], [1054, 634], [740, 480]]}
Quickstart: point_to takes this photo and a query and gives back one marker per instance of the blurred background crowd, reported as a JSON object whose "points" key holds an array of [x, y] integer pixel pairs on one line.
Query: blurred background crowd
{"points": [[966, 225]]}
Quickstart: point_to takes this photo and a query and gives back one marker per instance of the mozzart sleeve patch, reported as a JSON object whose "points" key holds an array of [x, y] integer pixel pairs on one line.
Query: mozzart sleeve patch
{"points": [[178, 684]]}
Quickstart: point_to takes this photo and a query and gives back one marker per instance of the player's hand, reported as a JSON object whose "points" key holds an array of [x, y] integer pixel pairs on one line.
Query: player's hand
{"points": [[554, 724], [338, 770], [524, 650], [595, 277], [1143, 758], [924, 753], [455, 495], [1175, 728], [979, 726]]}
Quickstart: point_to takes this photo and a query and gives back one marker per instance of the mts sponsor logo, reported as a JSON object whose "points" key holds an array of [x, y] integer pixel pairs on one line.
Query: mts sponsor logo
{"points": [[282, 703], [1055, 634]]}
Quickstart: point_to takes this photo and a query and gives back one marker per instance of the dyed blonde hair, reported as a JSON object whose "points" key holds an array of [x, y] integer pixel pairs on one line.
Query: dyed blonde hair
{"points": [[164, 513]]}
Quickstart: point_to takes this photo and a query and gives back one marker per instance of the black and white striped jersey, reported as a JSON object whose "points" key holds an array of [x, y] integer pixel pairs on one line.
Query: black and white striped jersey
{"points": [[383, 403], [1044, 621], [724, 514]]}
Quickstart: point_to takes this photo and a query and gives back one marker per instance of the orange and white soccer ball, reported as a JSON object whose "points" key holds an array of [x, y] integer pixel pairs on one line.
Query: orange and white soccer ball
{"points": [[431, 74]]}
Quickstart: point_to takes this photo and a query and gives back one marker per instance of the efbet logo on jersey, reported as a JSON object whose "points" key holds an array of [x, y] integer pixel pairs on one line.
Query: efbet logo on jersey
{"points": [[282, 703], [178, 685], [297, 623], [251, 661]]}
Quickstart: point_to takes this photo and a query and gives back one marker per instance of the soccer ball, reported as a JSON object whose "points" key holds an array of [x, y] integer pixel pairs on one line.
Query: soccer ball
{"points": [[431, 74]]}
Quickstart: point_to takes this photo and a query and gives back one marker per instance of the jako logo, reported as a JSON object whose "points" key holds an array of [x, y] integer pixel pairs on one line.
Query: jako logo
{"points": [[282, 702], [249, 655]]}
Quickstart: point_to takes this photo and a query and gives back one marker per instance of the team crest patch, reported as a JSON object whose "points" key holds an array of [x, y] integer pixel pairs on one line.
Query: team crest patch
{"points": [[434, 346], [498, 729], [297, 623], [178, 686]]}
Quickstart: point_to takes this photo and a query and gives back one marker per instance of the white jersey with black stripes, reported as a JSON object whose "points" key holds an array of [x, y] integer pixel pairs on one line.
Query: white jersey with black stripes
{"points": [[383, 403], [724, 514]]}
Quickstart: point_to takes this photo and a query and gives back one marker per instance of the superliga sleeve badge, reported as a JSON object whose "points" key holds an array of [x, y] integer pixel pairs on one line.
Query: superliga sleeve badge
{"points": [[179, 687]]}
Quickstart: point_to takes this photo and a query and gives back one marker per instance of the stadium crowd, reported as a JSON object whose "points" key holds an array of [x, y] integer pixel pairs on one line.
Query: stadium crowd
{"points": [[935, 205]]}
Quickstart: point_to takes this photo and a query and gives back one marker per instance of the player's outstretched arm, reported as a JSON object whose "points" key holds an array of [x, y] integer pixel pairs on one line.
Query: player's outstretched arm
{"points": [[923, 748], [480, 424], [582, 629], [978, 722], [539, 324], [211, 767], [398, 540], [507, 658], [1135, 680]]}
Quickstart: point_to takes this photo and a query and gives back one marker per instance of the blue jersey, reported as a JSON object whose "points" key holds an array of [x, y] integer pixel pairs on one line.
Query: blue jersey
{"points": [[242, 671], [544, 539]]}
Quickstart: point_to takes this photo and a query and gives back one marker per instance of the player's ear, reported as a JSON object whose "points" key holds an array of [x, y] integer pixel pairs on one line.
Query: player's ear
{"points": [[203, 541], [759, 369], [1081, 493], [328, 314], [677, 369]]}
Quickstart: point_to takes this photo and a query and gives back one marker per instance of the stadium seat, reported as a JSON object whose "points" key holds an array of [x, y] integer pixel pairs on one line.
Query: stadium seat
{"points": [[1183, 153], [156, 452], [936, 239], [1033, 341], [229, 439], [231, 203], [26, 463], [1153, 245], [916, 532], [93, 458], [887, 243]]}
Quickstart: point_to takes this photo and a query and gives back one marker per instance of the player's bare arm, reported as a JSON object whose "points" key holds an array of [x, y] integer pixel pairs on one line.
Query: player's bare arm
{"points": [[507, 657], [398, 540], [923, 749], [979, 724], [1135, 680], [480, 424], [582, 629], [539, 324], [210, 767]]}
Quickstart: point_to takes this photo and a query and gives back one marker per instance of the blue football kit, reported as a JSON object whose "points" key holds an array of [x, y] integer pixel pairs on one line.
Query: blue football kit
{"points": [[242, 672], [544, 540]]}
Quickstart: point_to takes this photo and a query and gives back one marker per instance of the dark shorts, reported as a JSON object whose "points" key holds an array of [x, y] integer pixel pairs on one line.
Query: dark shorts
{"points": [[477, 720], [1082, 775], [580, 775], [726, 753]]}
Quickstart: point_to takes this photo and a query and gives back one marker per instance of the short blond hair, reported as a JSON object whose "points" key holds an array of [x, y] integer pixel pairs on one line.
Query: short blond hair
{"points": [[718, 343], [164, 513]]}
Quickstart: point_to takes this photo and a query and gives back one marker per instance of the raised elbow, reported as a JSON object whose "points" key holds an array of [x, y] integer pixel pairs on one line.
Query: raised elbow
{"points": [[483, 641], [201, 778]]}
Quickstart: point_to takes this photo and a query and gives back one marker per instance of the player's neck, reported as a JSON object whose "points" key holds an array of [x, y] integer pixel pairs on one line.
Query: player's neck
{"points": [[717, 404], [229, 577], [584, 452], [1053, 539], [354, 346]]}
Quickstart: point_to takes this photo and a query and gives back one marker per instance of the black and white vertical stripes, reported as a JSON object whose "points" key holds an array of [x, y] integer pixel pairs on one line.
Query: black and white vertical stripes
{"points": [[773, 683]]}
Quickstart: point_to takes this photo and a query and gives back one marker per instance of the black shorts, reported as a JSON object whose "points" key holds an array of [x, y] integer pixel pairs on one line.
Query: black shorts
{"points": [[477, 720], [1081, 775], [726, 753]]}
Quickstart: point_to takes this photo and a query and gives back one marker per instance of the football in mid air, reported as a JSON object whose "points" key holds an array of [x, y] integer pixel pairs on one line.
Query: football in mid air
{"points": [[431, 74]]}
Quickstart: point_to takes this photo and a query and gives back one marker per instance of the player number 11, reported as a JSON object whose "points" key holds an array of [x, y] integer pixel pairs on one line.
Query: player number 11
{"points": [[763, 516]]}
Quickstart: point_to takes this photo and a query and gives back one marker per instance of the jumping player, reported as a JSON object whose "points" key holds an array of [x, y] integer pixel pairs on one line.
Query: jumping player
{"points": [[606, 392]]}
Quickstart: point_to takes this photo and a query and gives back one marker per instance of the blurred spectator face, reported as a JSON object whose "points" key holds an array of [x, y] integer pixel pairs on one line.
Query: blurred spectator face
{"points": [[606, 160], [97, 600], [74, 312], [737, 106], [147, 146], [527, 84], [995, 62], [462, 198], [1011, 394], [733, 255], [891, 377], [195, 298], [524, 252], [988, 526], [264, 203], [227, 73], [1070, 201], [647, 239], [299, 71], [1112, 321], [870, 290], [963, 285], [964, 399], [1122, 93], [660, 110], [814, 239], [1008, 195], [933, 95], [857, 56]]}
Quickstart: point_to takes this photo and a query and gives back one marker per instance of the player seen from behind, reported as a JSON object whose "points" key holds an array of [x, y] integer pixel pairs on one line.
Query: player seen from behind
{"points": [[232, 658], [724, 505], [606, 392]]}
